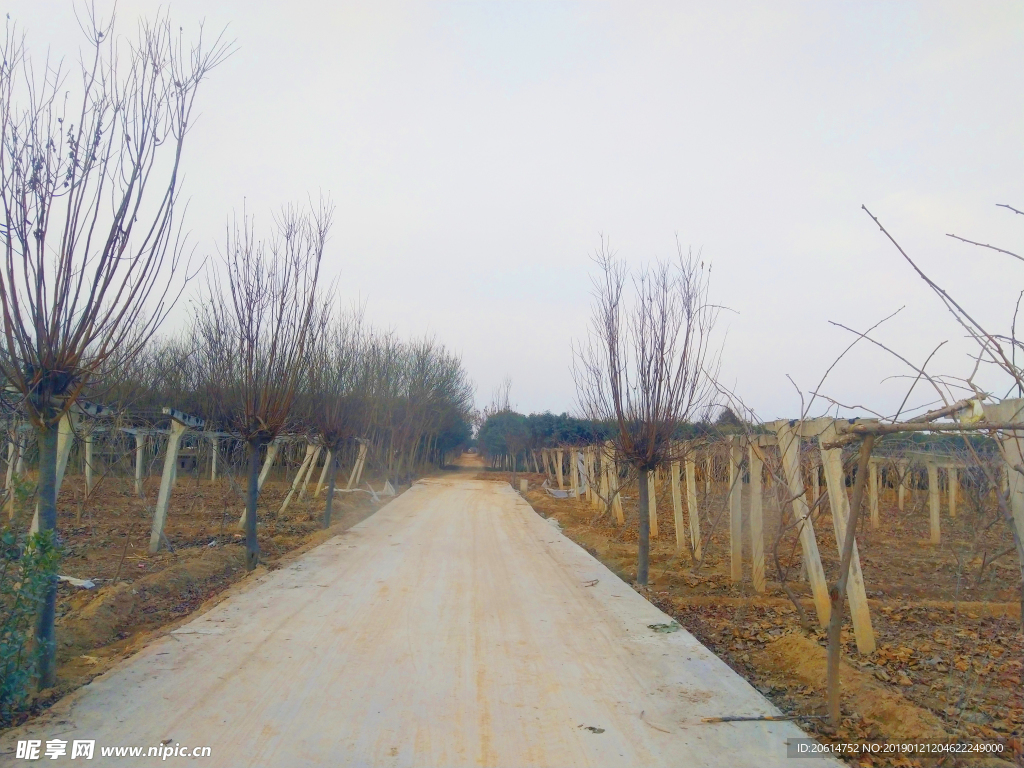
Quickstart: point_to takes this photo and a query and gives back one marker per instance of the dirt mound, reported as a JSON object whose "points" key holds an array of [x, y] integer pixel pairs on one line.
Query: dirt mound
{"points": [[101, 618], [896, 717]]}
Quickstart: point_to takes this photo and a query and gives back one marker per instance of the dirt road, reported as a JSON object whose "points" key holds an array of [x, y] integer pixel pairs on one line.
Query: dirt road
{"points": [[454, 627]]}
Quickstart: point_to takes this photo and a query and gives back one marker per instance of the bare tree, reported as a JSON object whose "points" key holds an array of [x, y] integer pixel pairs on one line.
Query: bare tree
{"points": [[254, 335], [337, 391], [89, 187], [649, 365]]}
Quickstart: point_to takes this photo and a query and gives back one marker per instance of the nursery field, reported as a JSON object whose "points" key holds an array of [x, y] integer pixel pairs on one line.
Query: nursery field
{"points": [[946, 618], [138, 595]]}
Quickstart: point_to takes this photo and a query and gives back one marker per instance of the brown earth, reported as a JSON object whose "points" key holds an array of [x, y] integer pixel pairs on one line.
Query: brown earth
{"points": [[105, 538], [948, 663]]}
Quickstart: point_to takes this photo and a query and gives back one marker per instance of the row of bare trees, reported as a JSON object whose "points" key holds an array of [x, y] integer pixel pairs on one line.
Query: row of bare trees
{"points": [[650, 364], [94, 258]]}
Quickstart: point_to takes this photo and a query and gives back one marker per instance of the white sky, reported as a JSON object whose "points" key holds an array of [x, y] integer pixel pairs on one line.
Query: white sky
{"points": [[476, 151]]}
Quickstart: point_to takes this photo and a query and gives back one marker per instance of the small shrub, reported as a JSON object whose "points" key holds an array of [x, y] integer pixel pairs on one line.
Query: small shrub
{"points": [[26, 567]]}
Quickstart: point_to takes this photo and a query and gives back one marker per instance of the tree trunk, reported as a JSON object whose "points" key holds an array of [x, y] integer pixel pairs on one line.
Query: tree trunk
{"points": [[47, 495], [644, 549], [330, 487], [252, 545]]}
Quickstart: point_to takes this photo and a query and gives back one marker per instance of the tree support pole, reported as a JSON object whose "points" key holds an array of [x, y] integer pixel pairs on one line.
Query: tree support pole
{"points": [[756, 526], [170, 472], [677, 506], [835, 625], [735, 512], [303, 470], [852, 578], [65, 439], [789, 447], [309, 472], [691, 504], [140, 461]]}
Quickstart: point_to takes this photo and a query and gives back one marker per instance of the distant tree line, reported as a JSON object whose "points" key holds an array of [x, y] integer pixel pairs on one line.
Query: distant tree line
{"points": [[506, 437]]}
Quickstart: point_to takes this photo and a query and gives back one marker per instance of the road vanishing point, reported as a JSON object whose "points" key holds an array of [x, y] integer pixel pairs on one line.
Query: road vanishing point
{"points": [[453, 627]]}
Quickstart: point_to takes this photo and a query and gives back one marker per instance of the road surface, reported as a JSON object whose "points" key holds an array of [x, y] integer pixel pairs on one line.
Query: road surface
{"points": [[454, 627]]}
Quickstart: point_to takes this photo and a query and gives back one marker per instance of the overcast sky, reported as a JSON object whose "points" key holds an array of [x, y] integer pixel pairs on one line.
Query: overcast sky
{"points": [[476, 152]]}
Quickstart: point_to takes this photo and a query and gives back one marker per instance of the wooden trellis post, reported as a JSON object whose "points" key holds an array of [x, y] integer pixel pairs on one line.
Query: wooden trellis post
{"points": [[23, 444], [954, 488], [309, 472], [180, 423], [214, 455], [1011, 447], [789, 448], [873, 492], [268, 462], [933, 502], [573, 483], [558, 469], [652, 505], [303, 471], [756, 523], [613, 480], [691, 503], [140, 460], [65, 439], [835, 479], [677, 505], [902, 472], [735, 511], [89, 476], [323, 475], [357, 469], [605, 472]]}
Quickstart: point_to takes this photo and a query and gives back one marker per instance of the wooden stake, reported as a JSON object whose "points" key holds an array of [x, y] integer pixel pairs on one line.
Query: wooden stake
{"points": [[303, 471], [558, 469], [140, 461], [933, 502], [309, 472], [163, 500], [677, 505], [360, 464], [954, 489], [691, 503], [214, 456], [613, 469], [88, 464], [756, 533], [574, 485], [848, 551], [12, 453], [835, 479], [735, 511], [268, 462], [873, 493], [323, 475], [901, 492], [652, 505], [789, 448], [815, 482], [65, 439], [605, 472]]}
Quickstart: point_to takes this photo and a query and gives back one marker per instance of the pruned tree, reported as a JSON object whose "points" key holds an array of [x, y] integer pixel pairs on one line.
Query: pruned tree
{"points": [[337, 391], [93, 253], [254, 333], [649, 364]]}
